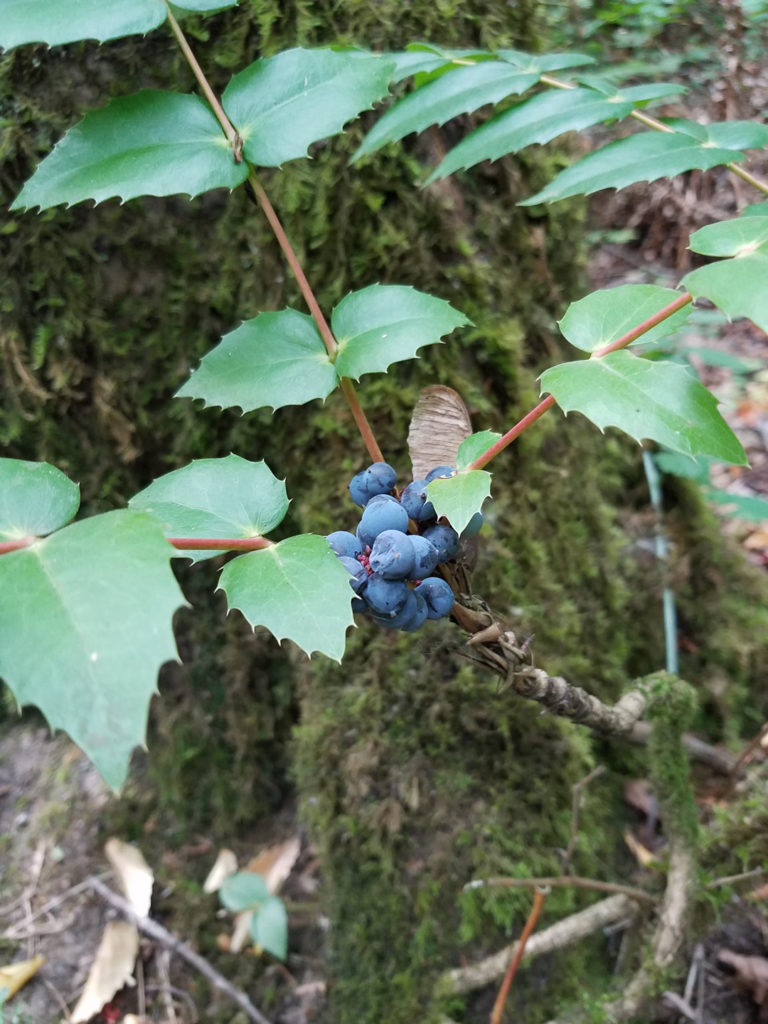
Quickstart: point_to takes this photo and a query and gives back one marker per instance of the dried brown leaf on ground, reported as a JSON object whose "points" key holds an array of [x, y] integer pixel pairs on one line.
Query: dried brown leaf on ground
{"points": [[751, 973], [276, 863], [224, 866], [135, 875], [15, 976], [112, 969]]}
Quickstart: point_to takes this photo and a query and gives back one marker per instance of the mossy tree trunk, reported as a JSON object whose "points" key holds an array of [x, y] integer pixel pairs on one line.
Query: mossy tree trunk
{"points": [[415, 772]]}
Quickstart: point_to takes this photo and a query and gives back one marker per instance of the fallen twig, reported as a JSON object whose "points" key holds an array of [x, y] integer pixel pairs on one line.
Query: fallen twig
{"points": [[574, 881], [160, 934], [564, 933], [539, 897]]}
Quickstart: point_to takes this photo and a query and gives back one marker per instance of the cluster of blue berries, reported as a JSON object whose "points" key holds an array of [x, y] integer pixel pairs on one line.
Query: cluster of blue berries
{"points": [[391, 568]]}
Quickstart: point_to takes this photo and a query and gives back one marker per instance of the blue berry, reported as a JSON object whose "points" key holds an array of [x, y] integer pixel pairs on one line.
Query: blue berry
{"points": [[392, 555], [414, 501], [439, 471], [401, 618], [445, 539], [359, 576], [474, 526], [419, 616], [425, 557], [376, 479], [438, 596], [344, 543], [386, 597], [380, 516]]}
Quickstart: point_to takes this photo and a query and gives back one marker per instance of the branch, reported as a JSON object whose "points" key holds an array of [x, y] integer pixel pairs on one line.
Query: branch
{"points": [[160, 934], [565, 933], [575, 881]]}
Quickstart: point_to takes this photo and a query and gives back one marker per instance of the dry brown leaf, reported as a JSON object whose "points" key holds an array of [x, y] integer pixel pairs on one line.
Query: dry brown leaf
{"points": [[757, 539], [15, 976], [135, 875], [751, 972], [241, 932], [226, 865], [642, 854], [111, 970], [439, 424], [275, 863]]}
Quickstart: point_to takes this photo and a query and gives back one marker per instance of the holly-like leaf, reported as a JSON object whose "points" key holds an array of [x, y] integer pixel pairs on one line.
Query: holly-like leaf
{"points": [[244, 890], [540, 63], [298, 589], [459, 497], [384, 324], [731, 134], [737, 285], [276, 359], [150, 144], [459, 91], [85, 620], [660, 401], [745, 506], [65, 21], [269, 927], [228, 497], [645, 156], [281, 105], [35, 499], [538, 120], [607, 315], [474, 446]]}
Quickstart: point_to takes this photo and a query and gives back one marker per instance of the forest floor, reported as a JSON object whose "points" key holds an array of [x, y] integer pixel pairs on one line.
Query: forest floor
{"points": [[56, 814]]}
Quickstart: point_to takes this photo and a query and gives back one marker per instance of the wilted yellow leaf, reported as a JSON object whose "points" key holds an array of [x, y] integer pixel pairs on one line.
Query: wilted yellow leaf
{"points": [[111, 970], [134, 873], [275, 863], [14, 976]]}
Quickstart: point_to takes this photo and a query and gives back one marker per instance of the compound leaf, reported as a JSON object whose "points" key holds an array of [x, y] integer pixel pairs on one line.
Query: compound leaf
{"points": [[274, 360], [474, 446], [229, 497], [269, 927], [35, 499], [298, 589], [384, 324], [735, 285], [645, 156], [85, 621], [65, 21], [607, 315], [282, 104], [540, 63], [662, 402], [153, 143], [538, 120], [459, 497], [459, 91]]}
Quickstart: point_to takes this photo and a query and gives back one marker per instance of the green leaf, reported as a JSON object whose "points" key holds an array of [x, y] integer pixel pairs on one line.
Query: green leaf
{"points": [[645, 156], [660, 401], [269, 927], [35, 499], [228, 497], [243, 891], [204, 6], [537, 120], [298, 589], [274, 360], [607, 315], [384, 324], [281, 105], [85, 619], [460, 91], [753, 509], [539, 63], [736, 285], [474, 446], [683, 465], [413, 62], [150, 144], [731, 134], [65, 21], [459, 497]]}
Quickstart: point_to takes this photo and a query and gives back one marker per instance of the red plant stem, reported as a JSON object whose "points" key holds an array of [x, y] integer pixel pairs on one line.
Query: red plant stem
{"points": [[539, 897], [181, 543], [548, 402]]}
